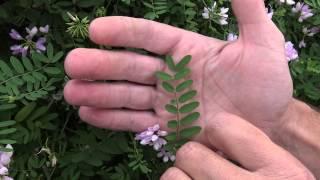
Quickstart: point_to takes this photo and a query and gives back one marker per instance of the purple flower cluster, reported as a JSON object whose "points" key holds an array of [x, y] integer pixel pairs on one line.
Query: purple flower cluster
{"points": [[221, 16], [269, 12], [5, 158], [304, 10], [232, 37], [311, 32], [153, 136], [291, 52], [166, 155], [288, 2], [308, 33], [28, 44]]}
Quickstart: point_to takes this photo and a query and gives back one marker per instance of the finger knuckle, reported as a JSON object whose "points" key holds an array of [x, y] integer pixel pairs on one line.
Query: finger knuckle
{"points": [[171, 174], [68, 92], [71, 58], [84, 114], [188, 150], [74, 53], [297, 173], [305, 175]]}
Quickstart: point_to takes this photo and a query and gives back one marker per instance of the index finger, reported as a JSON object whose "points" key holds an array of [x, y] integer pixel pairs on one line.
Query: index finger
{"points": [[246, 144], [137, 33]]}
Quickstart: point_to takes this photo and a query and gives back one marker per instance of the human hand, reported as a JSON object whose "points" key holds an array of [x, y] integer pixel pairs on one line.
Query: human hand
{"points": [[249, 77], [258, 156]]}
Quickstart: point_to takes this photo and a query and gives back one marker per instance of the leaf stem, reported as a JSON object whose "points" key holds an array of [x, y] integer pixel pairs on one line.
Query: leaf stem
{"points": [[178, 115], [23, 74]]}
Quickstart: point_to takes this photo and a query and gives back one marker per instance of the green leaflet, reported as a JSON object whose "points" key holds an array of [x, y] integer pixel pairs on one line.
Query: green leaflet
{"points": [[187, 96], [171, 108], [57, 57], [172, 124], [190, 132], [17, 65], [171, 136], [170, 63], [182, 74], [173, 102], [189, 107], [40, 57], [168, 87], [184, 85], [29, 78], [163, 76], [52, 70], [171, 146], [7, 141], [182, 64], [5, 68], [5, 107], [7, 123], [2, 149], [27, 63], [190, 118], [8, 131], [38, 113], [50, 51], [25, 112]]}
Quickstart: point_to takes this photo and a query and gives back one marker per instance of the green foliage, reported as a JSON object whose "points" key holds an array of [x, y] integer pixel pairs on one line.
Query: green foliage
{"points": [[190, 132], [157, 8], [6, 130], [136, 159], [183, 102], [79, 28], [29, 79], [31, 98], [163, 76], [313, 3]]}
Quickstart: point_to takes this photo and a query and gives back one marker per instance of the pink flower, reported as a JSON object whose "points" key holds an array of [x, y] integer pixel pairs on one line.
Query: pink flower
{"points": [[27, 43], [4, 170], [288, 2], [166, 155], [232, 37], [304, 10], [153, 137], [5, 157], [311, 32], [15, 35], [302, 44], [44, 29], [6, 178], [291, 52], [269, 12]]}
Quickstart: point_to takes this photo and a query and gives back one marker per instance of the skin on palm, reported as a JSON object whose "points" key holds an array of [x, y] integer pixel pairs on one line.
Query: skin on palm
{"points": [[249, 77]]}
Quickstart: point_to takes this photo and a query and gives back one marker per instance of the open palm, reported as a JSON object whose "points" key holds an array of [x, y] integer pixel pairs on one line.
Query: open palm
{"points": [[248, 77]]}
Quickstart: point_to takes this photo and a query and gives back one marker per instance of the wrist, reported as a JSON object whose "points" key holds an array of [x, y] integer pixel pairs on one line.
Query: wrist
{"points": [[296, 123], [299, 134], [296, 113]]}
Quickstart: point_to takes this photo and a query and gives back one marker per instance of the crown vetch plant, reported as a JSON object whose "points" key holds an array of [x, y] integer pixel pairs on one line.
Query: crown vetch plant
{"points": [[182, 106], [183, 103], [49, 140]]}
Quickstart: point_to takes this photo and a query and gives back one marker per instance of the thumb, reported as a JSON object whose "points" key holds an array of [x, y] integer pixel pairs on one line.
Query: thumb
{"points": [[249, 11], [255, 26]]}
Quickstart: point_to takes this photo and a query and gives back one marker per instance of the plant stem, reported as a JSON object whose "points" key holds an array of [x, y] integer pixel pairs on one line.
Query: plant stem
{"points": [[178, 116]]}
